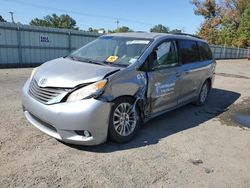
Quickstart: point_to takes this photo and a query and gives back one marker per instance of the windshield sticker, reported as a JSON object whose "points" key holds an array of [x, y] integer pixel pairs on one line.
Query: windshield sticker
{"points": [[112, 59], [137, 42], [132, 60]]}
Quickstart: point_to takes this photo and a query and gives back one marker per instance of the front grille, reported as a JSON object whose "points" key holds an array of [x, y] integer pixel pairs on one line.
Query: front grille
{"points": [[45, 94]]}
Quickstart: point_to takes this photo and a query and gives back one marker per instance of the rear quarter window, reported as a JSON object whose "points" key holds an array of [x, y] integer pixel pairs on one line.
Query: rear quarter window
{"points": [[205, 51], [189, 51]]}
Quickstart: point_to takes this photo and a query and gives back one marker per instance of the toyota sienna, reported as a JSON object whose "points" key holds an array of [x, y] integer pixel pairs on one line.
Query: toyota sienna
{"points": [[112, 85]]}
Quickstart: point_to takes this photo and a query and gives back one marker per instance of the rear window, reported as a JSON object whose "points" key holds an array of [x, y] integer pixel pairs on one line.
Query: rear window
{"points": [[189, 51], [205, 51]]}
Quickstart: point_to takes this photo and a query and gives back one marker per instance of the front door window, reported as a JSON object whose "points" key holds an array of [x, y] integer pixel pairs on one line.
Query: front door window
{"points": [[166, 55]]}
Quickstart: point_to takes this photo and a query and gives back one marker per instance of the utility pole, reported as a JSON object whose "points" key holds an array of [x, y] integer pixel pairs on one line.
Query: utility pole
{"points": [[12, 16], [117, 21]]}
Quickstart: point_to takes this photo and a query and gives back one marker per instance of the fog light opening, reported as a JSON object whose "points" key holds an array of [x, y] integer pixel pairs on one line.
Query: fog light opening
{"points": [[84, 133]]}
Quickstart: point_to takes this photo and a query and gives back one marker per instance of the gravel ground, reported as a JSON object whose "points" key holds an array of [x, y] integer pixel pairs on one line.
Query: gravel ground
{"points": [[189, 147]]}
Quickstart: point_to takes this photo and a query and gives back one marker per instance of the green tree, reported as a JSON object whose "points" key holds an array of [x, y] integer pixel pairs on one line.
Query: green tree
{"points": [[1, 19], [225, 22], [209, 32], [232, 16], [123, 29], [176, 31], [63, 21], [233, 9], [159, 29], [101, 30], [244, 29], [227, 34], [92, 30]]}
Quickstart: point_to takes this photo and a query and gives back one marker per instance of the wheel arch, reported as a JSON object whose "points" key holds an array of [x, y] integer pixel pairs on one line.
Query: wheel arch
{"points": [[209, 80], [139, 103]]}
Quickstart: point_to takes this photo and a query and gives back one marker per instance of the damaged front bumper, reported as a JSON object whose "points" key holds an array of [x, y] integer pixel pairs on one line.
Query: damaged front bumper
{"points": [[67, 121]]}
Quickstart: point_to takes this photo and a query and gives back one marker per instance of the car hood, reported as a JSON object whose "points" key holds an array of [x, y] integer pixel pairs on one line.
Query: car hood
{"points": [[67, 73]]}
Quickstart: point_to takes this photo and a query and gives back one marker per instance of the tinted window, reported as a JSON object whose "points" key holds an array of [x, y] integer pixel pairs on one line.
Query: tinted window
{"points": [[205, 51], [189, 51], [166, 55]]}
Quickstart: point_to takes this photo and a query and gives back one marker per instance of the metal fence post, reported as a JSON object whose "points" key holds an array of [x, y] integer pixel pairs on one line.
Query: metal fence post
{"points": [[69, 41], [20, 55], [238, 52]]}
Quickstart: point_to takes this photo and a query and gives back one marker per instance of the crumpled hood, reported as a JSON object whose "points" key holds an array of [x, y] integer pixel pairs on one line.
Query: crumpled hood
{"points": [[66, 73]]}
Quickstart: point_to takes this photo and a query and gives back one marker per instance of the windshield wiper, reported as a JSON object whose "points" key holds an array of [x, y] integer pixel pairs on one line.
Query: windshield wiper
{"points": [[115, 64], [98, 62], [86, 60], [73, 58], [94, 62]]}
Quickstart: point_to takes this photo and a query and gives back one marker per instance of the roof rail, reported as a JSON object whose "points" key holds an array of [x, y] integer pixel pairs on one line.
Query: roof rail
{"points": [[185, 34]]}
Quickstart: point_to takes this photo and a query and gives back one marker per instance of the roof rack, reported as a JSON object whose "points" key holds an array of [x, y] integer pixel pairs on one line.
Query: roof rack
{"points": [[185, 34]]}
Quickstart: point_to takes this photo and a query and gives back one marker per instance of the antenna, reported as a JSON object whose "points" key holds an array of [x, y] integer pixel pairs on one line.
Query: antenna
{"points": [[12, 16]]}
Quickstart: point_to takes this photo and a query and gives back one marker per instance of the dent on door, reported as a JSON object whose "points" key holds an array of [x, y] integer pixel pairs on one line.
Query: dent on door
{"points": [[163, 90]]}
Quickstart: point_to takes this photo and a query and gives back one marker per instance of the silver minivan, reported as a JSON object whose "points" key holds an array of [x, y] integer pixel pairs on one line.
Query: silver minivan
{"points": [[112, 85]]}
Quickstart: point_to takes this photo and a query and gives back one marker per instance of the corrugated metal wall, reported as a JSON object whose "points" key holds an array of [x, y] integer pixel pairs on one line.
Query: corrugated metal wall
{"points": [[24, 45], [223, 52]]}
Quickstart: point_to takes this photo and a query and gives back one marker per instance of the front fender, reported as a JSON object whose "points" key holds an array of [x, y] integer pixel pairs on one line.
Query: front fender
{"points": [[125, 83]]}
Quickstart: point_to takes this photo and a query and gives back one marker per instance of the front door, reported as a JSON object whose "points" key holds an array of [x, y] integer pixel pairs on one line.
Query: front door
{"points": [[163, 79]]}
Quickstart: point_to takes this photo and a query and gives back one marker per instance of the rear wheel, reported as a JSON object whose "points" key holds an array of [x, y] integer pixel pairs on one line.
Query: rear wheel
{"points": [[203, 94], [124, 120]]}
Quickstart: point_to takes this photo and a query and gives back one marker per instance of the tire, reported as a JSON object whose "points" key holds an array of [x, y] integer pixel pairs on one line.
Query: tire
{"points": [[203, 94], [123, 123]]}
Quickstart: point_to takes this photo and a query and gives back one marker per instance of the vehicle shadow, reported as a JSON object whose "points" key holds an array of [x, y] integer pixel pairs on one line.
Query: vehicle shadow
{"points": [[181, 119]]}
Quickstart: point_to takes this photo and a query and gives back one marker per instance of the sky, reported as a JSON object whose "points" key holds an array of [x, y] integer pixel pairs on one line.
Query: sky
{"points": [[139, 15]]}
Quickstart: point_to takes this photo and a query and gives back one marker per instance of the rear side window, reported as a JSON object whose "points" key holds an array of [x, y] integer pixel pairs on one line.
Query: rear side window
{"points": [[189, 51], [205, 51]]}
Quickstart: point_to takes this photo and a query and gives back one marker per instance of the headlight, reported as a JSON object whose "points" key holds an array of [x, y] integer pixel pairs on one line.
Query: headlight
{"points": [[32, 73], [92, 89]]}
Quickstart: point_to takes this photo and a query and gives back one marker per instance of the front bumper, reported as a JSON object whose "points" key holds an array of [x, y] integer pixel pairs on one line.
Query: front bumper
{"points": [[63, 119]]}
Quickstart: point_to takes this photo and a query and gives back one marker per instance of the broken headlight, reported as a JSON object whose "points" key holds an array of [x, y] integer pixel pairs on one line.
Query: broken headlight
{"points": [[87, 91]]}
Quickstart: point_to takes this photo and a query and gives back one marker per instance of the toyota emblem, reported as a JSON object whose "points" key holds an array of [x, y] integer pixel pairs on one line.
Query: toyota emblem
{"points": [[43, 81]]}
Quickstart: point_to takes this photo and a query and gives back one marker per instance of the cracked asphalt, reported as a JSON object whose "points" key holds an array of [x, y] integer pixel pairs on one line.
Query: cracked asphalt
{"points": [[188, 147]]}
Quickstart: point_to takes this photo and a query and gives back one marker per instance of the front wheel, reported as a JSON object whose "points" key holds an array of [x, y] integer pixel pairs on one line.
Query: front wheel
{"points": [[124, 120]]}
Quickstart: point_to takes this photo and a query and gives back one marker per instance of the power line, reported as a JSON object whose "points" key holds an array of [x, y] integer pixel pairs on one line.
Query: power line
{"points": [[79, 13]]}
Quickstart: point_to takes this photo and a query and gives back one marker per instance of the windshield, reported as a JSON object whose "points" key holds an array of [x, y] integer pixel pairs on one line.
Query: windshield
{"points": [[112, 50]]}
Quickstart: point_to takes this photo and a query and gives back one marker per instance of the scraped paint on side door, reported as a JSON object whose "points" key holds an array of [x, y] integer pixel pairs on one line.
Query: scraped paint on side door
{"points": [[163, 79]]}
